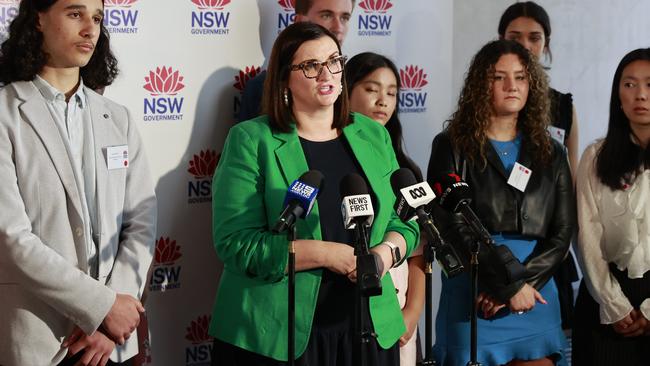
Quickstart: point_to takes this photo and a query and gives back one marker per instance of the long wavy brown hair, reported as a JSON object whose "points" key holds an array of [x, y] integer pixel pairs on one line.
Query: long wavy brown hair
{"points": [[469, 123]]}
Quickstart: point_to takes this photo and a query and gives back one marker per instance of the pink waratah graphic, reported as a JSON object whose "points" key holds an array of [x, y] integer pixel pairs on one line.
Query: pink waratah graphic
{"points": [[120, 3], [167, 251], [197, 332], [211, 4], [379, 6], [203, 165], [245, 75], [163, 81], [287, 5], [413, 77]]}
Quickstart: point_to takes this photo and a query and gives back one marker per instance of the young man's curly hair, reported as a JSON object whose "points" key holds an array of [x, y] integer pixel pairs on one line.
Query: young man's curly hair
{"points": [[468, 125], [22, 56]]}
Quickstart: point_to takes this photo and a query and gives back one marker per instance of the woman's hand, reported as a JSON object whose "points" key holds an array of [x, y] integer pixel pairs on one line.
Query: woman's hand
{"points": [[633, 324], [489, 305], [339, 258], [524, 300], [384, 255], [411, 322]]}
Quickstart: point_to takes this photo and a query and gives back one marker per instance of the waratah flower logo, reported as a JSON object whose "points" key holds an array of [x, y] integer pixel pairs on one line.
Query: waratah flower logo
{"points": [[245, 75], [413, 77], [120, 3], [197, 332], [287, 5], [167, 251], [163, 81], [379, 6], [211, 4], [203, 165]]}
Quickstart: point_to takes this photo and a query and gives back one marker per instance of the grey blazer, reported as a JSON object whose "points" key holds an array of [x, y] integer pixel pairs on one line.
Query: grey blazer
{"points": [[45, 288]]}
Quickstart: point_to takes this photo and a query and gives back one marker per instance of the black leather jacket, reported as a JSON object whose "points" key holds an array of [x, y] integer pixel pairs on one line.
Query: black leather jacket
{"points": [[545, 211]]}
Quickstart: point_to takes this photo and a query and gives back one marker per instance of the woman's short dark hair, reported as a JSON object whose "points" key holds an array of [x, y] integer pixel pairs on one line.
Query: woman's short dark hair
{"points": [[528, 9], [277, 78], [22, 56], [356, 69], [619, 159]]}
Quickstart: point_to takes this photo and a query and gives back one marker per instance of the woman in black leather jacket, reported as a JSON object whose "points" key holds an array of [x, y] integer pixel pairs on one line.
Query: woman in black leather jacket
{"points": [[522, 192]]}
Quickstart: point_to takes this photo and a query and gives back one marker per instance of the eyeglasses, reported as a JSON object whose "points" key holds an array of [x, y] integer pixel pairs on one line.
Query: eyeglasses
{"points": [[313, 69]]}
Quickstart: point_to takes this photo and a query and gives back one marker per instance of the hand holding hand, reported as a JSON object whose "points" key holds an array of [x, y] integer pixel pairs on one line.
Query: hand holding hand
{"points": [[97, 348], [632, 325], [525, 299], [489, 305], [339, 258], [123, 318]]}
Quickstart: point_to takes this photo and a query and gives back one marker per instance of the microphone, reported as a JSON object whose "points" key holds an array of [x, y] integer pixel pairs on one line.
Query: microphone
{"points": [[455, 195], [299, 200], [412, 198], [356, 206]]}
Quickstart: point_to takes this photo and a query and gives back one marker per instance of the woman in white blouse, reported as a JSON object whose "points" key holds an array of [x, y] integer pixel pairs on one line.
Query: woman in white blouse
{"points": [[613, 190]]}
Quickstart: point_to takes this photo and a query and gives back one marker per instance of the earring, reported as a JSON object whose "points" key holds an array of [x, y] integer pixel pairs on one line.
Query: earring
{"points": [[340, 88], [286, 97]]}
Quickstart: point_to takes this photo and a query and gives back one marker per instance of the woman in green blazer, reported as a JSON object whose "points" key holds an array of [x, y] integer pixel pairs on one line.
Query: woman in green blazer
{"points": [[307, 126]]}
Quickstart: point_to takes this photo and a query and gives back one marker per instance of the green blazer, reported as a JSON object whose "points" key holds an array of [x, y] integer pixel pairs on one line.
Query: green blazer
{"points": [[257, 166]]}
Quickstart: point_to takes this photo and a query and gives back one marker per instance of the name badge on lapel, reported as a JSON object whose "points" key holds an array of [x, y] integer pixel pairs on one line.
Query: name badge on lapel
{"points": [[519, 177], [557, 134], [117, 157]]}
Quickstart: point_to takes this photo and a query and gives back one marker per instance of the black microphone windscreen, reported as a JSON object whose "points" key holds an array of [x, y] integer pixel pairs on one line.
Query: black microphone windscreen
{"points": [[352, 185], [451, 191], [313, 178], [401, 178]]}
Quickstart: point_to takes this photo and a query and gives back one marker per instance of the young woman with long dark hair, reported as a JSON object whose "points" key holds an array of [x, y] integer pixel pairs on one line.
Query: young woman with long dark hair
{"points": [[613, 189]]}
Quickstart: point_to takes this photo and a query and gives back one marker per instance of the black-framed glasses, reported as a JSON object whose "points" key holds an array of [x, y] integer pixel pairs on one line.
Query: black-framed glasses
{"points": [[312, 69]]}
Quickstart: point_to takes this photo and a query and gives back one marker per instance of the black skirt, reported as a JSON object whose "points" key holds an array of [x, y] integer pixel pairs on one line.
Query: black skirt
{"points": [[333, 340], [595, 344]]}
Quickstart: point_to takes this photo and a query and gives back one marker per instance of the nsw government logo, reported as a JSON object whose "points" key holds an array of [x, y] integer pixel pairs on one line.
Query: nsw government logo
{"points": [[8, 11], [210, 17], [120, 17], [375, 20], [165, 272], [199, 352], [411, 97], [287, 15], [163, 105], [202, 167], [241, 79]]}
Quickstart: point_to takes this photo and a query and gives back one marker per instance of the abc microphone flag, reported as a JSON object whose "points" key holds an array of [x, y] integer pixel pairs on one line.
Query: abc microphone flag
{"points": [[410, 194]]}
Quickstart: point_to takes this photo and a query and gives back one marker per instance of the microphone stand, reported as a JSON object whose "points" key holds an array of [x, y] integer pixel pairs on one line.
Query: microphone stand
{"points": [[361, 305], [291, 334], [473, 312], [429, 257]]}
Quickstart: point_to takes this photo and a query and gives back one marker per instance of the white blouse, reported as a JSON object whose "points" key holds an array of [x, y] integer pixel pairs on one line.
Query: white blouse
{"points": [[614, 227]]}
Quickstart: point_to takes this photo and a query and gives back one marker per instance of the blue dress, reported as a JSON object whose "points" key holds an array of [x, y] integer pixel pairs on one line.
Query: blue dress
{"points": [[533, 335]]}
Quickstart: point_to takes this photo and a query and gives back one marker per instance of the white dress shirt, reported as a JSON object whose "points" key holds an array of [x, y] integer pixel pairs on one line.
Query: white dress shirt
{"points": [[73, 121], [614, 227]]}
